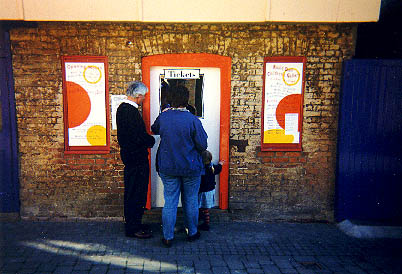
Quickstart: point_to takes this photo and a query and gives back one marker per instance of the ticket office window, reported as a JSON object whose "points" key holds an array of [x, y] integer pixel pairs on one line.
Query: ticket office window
{"points": [[195, 87]]}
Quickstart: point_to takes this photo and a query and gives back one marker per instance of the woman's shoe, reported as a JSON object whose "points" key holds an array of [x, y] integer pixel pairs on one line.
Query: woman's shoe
{"points": [[194, 237], [167, 243]]}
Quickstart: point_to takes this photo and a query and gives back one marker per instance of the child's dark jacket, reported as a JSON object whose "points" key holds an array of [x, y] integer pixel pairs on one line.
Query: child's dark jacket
{"points": [[208, 180]]}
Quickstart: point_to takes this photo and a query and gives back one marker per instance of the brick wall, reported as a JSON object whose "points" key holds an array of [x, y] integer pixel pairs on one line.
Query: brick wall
{"points": [[262, 186]]}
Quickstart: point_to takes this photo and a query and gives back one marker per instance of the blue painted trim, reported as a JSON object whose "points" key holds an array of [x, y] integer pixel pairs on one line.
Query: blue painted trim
{"points": [[13, 203]]}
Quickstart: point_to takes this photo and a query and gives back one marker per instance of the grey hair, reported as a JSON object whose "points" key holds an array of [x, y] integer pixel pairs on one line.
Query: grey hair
{"points": [[136, 88]]}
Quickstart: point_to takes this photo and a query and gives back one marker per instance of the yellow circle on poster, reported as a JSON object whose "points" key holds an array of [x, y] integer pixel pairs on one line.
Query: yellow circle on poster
{"points": [[92, 74], [291, 76], [96, 135]]}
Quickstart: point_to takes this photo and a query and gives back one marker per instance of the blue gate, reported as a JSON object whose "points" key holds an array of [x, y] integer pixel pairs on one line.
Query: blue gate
{"points": [[9, 187], [369, 158]]}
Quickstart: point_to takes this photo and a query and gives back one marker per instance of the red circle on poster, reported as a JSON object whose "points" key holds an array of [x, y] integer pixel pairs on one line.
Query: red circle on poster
{"points": [[78, 104], [289, 104]]}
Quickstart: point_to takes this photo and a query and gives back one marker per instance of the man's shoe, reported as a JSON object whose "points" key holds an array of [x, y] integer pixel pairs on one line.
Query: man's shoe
{"points": [[139, 234], [167, 243], [194, 237], [142, 234]]}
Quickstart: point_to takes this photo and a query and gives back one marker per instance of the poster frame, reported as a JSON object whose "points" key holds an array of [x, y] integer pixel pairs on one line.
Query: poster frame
{"points": [[70, 149], [265, 93]]}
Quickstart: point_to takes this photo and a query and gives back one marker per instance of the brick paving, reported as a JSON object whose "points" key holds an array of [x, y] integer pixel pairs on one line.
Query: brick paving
{"points": [[100, 247]]}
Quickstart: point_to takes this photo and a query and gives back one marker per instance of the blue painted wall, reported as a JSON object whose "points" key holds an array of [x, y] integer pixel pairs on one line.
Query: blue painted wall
{"points": [[9, 187], [369, 164]]}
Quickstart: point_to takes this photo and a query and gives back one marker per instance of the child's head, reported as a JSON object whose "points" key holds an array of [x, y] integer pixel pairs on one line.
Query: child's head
{"points": [[206, 157]]}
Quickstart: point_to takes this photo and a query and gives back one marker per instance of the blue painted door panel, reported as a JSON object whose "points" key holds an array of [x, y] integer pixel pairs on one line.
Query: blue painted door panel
{"points": [[9, 188], [369, 165]]}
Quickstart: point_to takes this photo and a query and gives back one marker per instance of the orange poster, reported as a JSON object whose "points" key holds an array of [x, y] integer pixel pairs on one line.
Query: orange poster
{"points": [[282, 105], [85, 102]]}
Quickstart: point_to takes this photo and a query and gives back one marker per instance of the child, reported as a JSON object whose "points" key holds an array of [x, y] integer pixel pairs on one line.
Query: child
{"points": [[206, 195]]}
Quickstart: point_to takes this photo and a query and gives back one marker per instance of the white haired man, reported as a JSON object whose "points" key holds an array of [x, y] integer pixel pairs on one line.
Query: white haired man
{"points": [[134, 142]]}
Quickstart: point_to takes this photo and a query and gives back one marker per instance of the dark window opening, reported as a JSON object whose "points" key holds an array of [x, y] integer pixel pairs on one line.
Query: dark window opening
{"points": [[195, 87]]}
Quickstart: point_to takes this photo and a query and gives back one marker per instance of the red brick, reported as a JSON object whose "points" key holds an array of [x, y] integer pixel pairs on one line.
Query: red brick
{"points": [[267, 160], [265, 154], [294, 160], [293, 154], [100, 161], [82, 162], [280, 160]]}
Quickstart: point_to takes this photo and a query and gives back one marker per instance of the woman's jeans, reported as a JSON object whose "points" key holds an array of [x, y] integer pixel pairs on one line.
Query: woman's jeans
{"points": [[189, 187]]}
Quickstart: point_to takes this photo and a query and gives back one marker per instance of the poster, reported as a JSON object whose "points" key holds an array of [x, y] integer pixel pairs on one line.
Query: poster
{"points": [[85, 102], [116, 100], [282, 103]]}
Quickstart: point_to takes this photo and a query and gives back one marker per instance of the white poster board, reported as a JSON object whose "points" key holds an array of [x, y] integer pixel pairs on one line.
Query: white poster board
{"points": [[282, 103], [86, 102], [116, 100]]}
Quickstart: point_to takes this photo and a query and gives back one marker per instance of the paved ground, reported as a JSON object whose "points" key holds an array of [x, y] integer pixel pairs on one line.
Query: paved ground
{"points": [[99, 247]]}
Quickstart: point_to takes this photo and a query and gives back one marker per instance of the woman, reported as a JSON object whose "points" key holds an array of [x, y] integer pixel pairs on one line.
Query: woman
{"points": [[183, 139]]}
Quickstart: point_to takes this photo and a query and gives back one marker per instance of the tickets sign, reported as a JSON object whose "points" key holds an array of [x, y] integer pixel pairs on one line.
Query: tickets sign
{"points": [[182, 73]]}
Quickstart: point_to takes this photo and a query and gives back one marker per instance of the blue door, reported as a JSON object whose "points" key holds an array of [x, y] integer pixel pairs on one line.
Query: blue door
{"points": [[369, 164], [9, 187]]}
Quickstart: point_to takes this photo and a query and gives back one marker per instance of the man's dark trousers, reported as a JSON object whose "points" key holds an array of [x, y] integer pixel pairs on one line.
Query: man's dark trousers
{"points": [[136, 179]]}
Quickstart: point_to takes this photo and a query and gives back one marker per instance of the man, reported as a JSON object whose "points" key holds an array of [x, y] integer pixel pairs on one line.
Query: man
{"points": [[134, 142]]}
